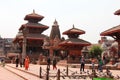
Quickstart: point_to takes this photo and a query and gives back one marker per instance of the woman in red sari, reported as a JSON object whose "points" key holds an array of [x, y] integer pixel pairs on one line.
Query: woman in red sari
{"points": [[27, 63]]}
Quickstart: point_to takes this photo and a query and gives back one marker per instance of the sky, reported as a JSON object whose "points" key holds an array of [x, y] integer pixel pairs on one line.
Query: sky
{"points": [[92, 16]]}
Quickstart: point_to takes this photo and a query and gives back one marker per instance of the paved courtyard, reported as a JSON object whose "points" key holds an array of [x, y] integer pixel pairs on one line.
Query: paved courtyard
{"points": [[35, 69], [7, 75]]}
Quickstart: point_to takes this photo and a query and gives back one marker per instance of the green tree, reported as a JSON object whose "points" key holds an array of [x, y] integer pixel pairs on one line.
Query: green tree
{"points": [[95, 51]]}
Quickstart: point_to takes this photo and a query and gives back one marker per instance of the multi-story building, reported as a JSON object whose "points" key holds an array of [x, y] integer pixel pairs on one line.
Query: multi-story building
{"points": [[1, 46], [5, 46]]}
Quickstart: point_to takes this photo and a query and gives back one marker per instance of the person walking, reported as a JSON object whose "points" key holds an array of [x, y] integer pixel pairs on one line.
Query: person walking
{"points": [[100, 64], [93, 63], [27, 63], [17, 61], [48, 62], [20, 60], [82, 61], [54, 64]]}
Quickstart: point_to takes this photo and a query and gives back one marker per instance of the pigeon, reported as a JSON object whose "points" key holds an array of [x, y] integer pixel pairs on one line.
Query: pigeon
{"points": [[118, 77]]}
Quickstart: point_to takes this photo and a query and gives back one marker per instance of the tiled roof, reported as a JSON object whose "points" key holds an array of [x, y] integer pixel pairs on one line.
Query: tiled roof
{"points": [[111, 31], [74, 31], [34, 25], [31, 36], [36, 35], [34, 16], [117, 12], [75, 41]]}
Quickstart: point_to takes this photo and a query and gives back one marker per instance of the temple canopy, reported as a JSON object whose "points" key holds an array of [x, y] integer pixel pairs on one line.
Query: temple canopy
{"points": [[113, 32]]}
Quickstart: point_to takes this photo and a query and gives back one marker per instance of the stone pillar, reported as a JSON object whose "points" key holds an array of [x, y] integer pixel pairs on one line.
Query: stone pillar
{"points": [[118, 48], [51, 52], [24, 31], [24, 48]]}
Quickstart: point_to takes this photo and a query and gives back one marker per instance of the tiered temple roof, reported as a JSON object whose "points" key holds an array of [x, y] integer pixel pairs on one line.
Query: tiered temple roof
{"points": [[33, 16], [32, 30], [74, 42]]}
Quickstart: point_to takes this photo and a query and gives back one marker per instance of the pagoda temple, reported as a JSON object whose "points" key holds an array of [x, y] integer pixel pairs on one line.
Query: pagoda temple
{"points": [[30, 38], [74, 45], [114, 32]]}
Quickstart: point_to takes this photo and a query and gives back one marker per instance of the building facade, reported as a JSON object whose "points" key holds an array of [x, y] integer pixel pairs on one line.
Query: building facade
{"points": [[6, 46]]}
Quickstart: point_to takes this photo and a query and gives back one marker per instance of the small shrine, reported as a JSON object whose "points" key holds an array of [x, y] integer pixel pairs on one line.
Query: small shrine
{"points": [[73, 44], [30, 38]]}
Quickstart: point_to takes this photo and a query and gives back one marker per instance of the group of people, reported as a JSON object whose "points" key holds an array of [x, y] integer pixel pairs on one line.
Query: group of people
{"points": [[24, 63], [49, 63], [93, 61]]}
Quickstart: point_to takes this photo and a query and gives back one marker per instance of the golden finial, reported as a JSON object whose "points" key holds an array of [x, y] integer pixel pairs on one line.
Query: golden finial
{"points": [[33, 11], [73, 26]]}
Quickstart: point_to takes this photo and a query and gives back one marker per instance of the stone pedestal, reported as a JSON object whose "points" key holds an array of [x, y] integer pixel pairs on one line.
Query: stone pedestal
{"points": [[42, 60]]}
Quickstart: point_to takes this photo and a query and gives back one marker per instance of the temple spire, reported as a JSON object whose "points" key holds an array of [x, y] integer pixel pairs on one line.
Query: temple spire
{"points": [[55, 23], [55, 30]]}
